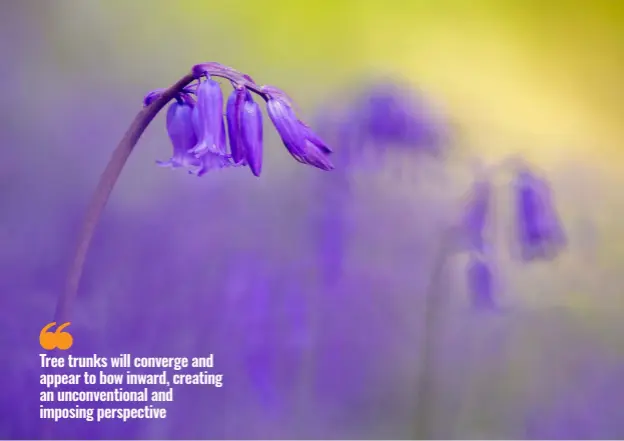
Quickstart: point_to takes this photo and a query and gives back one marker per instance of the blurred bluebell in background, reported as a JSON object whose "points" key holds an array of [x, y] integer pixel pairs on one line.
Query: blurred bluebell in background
{"points": [[479, 278], [539, 230]]}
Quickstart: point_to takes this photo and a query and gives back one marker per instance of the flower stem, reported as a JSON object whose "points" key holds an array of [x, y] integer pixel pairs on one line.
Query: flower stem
{"points": [[434, 302], [102, 193]]}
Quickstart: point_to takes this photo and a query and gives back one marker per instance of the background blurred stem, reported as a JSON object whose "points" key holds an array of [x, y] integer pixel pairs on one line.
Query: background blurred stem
{"points": [[434, 304], [308, 362], [103, 190]]}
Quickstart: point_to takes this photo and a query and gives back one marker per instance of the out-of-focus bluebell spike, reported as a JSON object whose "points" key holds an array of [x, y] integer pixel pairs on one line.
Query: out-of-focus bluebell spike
{"points": [[476, 212], [480, 281], [382, 117], [539, 232]]}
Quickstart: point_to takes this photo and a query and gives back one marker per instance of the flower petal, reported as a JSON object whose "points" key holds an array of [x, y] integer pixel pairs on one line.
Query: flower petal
{"points": [[182, 135], [251, 131], [233, 113], [208, 118], [288, 127]]}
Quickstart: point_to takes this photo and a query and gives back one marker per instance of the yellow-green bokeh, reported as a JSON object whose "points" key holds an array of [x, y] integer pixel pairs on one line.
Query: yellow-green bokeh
{"points": [[546, 71]]}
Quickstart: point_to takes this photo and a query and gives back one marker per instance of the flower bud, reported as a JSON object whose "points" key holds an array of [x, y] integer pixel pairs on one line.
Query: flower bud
{"points": [[303, 144], [251, 134], [152, 96], [287, 126], [233, 110]]}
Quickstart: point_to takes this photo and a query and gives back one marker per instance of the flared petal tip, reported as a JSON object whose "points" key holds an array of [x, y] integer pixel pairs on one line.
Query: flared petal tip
{"points": [[166, 164]]}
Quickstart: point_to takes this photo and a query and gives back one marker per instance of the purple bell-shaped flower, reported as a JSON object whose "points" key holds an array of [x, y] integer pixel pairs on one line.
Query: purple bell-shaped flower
{"points": [[298, 138], [182, 135], [539, 231], [233, 111], [480, 281], [476, 213], [251, 134], [208, 120]]}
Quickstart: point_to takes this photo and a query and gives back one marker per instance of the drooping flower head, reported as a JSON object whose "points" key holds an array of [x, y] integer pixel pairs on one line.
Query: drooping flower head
{"points": [[204, 122], [539, 231], [197, 131]]}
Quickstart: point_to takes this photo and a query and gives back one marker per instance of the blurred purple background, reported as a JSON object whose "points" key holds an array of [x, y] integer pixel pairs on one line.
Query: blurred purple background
{"points": [[310, 288]]}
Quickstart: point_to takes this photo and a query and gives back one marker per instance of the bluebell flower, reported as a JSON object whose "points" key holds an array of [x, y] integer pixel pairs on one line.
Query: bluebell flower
{"points": [[539, 231], [208, 119], [300, 141], [251, 134], [233, 111], [380, 117], [211, 148], [197, 132], [476, 213], [480, 282], [386, 113], [390, 113], [244, 122], [182, 136]]}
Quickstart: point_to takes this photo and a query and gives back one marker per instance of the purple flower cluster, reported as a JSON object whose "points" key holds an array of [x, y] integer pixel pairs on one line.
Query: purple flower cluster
{"points": [[382, 115], [197, 129], [476, 218], [389, 113], [539, 233]]}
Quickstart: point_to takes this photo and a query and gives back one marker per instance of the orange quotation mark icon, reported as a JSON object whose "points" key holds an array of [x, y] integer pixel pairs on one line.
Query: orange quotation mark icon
{"points": [[58, 339]]}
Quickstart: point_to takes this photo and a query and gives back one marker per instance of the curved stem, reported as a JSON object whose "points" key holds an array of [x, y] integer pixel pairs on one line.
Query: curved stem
{"points": [[434, 303], [103, 190]]}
